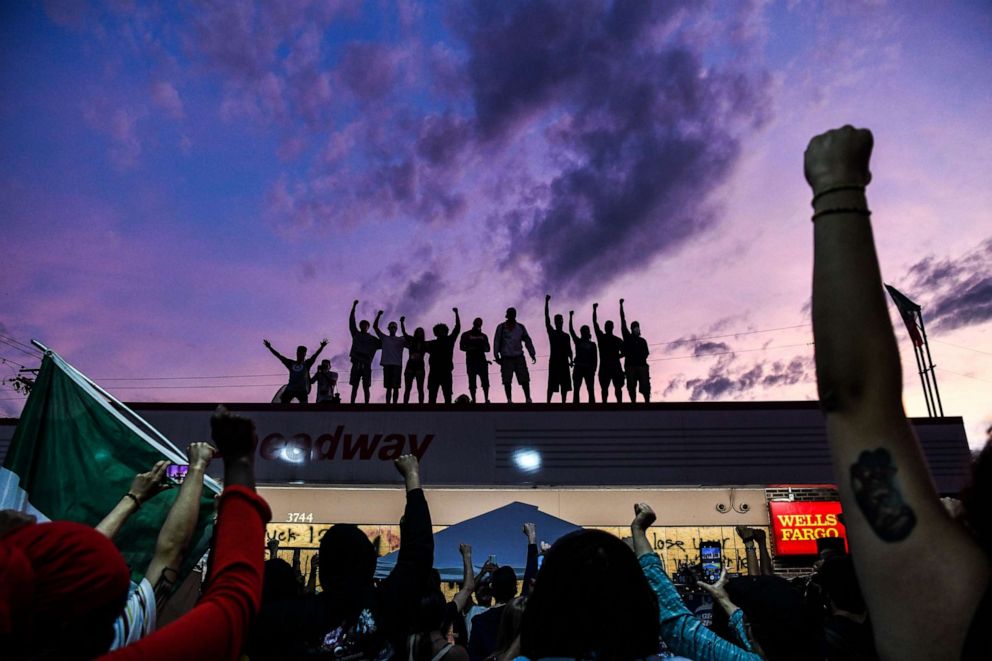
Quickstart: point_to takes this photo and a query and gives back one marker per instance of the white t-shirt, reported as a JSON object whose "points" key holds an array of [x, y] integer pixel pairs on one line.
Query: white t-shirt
{"points": [[138, 618]]}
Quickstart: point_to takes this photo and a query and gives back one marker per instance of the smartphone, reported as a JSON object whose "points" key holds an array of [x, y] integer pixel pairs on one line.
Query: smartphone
{"points": [[711, 558], [492, 559], [176, 473]]}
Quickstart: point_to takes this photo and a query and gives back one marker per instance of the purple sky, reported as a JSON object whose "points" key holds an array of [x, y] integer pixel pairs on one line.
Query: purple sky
{"points": [[180, 180]]}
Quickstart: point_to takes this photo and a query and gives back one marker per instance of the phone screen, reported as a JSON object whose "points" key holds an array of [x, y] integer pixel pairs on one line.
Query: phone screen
{"points": [[176, 473], [711, 557]]}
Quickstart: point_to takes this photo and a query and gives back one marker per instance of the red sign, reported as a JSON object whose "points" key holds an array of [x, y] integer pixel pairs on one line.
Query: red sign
{"points": [[797, 526]]}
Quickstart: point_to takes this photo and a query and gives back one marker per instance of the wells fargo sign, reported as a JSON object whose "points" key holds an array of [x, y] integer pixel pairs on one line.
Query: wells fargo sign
{"points": [[797, 526]]}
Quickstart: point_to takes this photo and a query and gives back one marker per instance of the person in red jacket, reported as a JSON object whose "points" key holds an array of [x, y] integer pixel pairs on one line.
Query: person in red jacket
{"points": [[62, 584]]}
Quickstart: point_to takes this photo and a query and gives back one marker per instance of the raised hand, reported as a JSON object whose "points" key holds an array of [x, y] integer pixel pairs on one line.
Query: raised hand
{"points": [[759, 535], [839, 158], [409, 468], [402, 319], [354, 303], [465, 549], [530, 530], [234, 435], [595, 305], [571, 313], [547, 298], [199, 455], [323, 342], [621, 301], [644, 516], [147, 485], [267, 343], [746, 534], [455, 310]]}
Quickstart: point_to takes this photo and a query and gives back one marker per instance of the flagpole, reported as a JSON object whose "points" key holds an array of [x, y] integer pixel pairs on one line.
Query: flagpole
{"points": [[923, 379], [932, 368]]}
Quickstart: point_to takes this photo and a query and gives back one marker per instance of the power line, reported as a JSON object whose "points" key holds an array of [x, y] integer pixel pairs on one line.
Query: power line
{"points": [[4, 359], [3, 340], [18, 342], [967, 376], [958, 346]]}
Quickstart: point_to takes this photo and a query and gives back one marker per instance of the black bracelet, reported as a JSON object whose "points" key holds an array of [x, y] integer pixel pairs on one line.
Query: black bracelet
{"points": [[836, 189], [137, 503], [829, 212]]}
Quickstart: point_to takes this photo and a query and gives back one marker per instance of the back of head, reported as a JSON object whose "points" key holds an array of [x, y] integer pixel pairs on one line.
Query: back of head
{"points": [[280, 581], [511, 314], [440, 330], [347, 559], [585, 333], [840, 583], [419, 334], [363, 325], [504, 584], [559, 321], [324, 365], [778, 620], [608, 327], [64, 584], [509, 625], [590, 598], [477, 323]]}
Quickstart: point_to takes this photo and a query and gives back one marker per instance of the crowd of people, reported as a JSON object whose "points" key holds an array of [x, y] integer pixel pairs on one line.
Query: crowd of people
{"points": [[916, 584], [433, 359]]}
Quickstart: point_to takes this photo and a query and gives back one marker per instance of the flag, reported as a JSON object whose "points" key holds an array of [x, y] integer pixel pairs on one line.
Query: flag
{"points": [[74, 455], [907, 309]]}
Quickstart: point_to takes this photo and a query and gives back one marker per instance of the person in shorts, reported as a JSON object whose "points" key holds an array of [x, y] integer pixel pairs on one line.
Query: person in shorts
{"points": [[560, 360], [363, 347], [442, 349], [635, 352], [610, 353], [475, 344], [508, 348], [585, 360], [391, 358]]}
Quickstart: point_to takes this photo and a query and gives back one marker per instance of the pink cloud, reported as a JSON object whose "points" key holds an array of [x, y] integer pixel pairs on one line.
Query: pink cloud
{"points": [[165, 96]]}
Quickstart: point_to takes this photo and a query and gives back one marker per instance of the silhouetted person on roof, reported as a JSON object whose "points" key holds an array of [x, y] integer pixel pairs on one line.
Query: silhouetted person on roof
{"points": [[363, 347], [391, 358], [327, 382], [635, 362], [299, 372], [610, 352], [560, 360], [508, 348], [442, 349], [475, 344], [585, 359], [416, 346]]}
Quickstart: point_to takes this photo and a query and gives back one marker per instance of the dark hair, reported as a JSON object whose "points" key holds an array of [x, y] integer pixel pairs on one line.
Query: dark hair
{"points": [[590, 598], [418, 333], [301, 349], [509, 626], [346, 556], [280, 581], [428, 617], [840, 583], [440, 330], [608, 325], [364, 324], [779, 622], [504, 584], [585, 332]]}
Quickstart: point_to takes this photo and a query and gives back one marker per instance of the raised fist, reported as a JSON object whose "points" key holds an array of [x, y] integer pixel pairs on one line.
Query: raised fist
{"points": [[354, 303], [547, 297], [838, 158], [234, 435], [406, 465], [465, 549], [530, 530], [379, 313], [621, 301], [571, 313], [595, 305], [200, 454], [323, 342], [402, 318], [644, 516]]}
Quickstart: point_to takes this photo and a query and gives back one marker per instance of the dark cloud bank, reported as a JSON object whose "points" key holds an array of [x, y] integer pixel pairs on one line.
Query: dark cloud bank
{"points": [[954, 292]]}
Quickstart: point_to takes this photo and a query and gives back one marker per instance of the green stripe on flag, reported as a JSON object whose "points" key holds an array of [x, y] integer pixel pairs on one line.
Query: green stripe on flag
{"points": [[74, 454]]}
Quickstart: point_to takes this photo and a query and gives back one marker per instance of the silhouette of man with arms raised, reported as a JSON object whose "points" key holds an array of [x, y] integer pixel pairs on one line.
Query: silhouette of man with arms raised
{"points": [[441, 362], [585, 360], [298, 386], [610, 352], [363, 347], [560, 360], [635, 361], [475, 344], [391, 358], [508, 347]]}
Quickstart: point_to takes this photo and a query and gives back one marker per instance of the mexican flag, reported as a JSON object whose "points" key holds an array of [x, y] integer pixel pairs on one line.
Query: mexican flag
{"points": [[74, 454]]}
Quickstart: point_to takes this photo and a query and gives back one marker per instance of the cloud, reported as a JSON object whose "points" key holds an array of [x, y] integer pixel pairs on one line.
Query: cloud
{"points": [[640, 131], [165, 96], [956, 292], [729, 377], [120, 125]]}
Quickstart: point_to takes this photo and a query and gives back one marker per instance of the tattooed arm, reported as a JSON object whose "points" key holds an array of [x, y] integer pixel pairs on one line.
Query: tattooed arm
{"points": [[898, 530]]}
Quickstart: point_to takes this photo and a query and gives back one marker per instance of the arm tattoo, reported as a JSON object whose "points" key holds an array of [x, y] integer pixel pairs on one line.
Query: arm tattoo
{"points": [[873, 482], [165, 584]]}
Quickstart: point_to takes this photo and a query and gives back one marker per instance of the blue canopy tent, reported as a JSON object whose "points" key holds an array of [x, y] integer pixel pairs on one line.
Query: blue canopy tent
{"points": [[499, 533]]}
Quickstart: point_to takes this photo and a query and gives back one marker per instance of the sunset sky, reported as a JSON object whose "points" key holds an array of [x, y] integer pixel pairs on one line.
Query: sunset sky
{"points": [[180, 180]]}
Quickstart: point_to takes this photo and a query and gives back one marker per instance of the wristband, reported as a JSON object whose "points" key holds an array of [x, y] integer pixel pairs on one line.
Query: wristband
{"points": [[829, 212], [836, 189], [137, 503]]}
